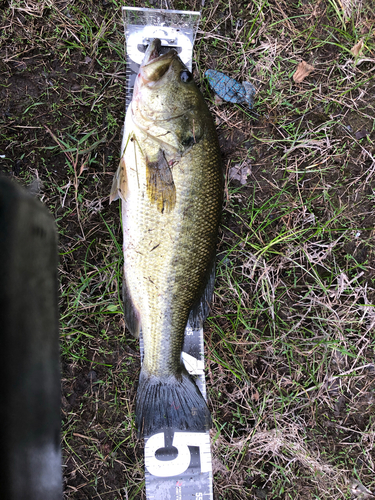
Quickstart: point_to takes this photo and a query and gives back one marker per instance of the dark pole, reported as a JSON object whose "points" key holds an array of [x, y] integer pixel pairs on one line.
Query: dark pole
{"points": [[30, 463]]}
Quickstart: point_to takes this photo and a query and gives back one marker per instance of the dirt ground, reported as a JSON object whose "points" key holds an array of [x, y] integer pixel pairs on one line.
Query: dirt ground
{"points": [[290, 341]]}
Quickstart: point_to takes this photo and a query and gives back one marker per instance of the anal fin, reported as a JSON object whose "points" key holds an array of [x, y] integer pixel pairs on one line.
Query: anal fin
{"points": [[201, 308]]}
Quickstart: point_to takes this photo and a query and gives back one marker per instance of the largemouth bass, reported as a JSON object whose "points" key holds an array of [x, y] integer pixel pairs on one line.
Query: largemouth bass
{"points": [[170, 182]]}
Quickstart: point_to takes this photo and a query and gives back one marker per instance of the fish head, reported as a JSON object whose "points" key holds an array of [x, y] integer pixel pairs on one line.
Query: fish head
{"points": [[166, 101]]}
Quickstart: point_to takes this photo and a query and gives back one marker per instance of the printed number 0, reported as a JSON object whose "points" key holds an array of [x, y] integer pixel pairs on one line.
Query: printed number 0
{"points": [[178, 465]]}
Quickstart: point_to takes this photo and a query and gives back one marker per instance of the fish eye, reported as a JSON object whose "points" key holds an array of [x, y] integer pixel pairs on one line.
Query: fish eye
{"points": [[186, 76]]}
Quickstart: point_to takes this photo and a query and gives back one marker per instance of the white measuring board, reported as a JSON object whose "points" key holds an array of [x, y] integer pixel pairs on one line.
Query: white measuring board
{"points": [[177, 463]]}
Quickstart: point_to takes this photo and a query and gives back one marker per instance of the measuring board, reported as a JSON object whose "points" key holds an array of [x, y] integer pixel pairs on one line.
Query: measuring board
{"points": [[177, 463]]}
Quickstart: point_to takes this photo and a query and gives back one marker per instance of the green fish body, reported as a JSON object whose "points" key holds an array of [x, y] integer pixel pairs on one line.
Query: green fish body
{"points": [[170, 182]]}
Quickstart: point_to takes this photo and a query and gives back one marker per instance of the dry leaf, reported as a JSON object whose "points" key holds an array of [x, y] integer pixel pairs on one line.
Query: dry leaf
{"points": [[357, 49], [303, 70], [255, 395], [218, 100], [240, 172]]}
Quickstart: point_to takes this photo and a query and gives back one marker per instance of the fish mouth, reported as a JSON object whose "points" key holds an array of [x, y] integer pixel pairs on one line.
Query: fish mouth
{"points": [[152, 51], [154, 64]]}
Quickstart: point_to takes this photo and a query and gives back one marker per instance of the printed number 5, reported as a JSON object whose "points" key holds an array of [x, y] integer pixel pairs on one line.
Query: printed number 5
{"points": [[178, 465]]}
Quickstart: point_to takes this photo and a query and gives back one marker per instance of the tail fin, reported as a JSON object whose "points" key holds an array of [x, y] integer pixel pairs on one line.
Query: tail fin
{"points": [[170, 402]]}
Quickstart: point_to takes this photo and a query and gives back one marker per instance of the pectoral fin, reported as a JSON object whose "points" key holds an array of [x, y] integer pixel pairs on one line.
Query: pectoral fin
{"points": [[120, 183], [160, 186]]}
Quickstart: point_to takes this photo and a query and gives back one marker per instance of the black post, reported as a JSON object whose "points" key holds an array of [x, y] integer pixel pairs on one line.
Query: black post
{"points": [[30, 463]]}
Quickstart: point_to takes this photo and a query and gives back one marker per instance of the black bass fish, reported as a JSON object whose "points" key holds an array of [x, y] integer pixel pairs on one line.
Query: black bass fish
{"points": [[170, 182]]}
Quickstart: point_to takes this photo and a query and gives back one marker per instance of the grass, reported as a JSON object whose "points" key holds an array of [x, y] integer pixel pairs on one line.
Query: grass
{"points": [[290, 342]]}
